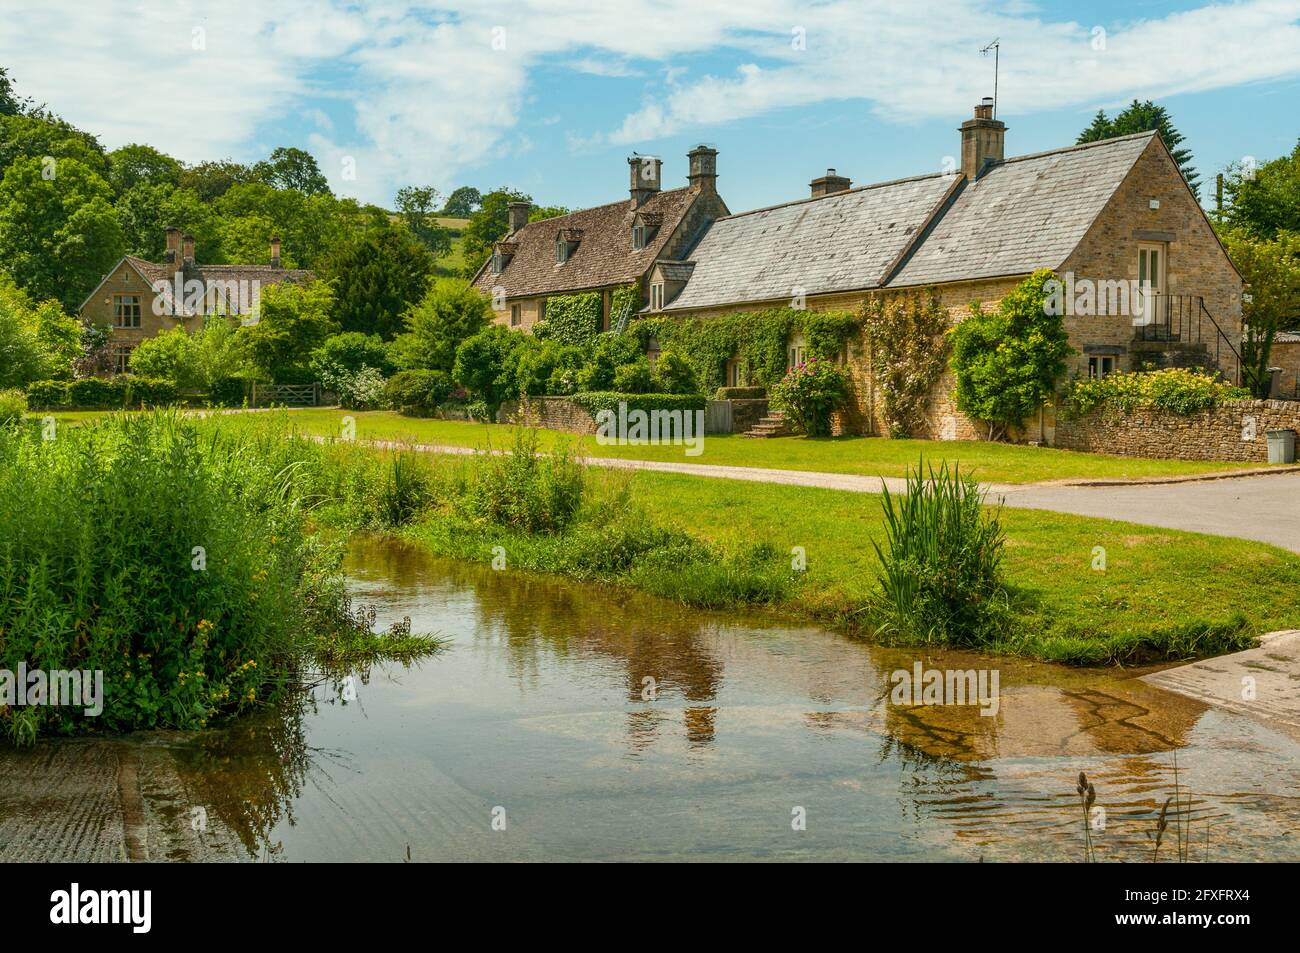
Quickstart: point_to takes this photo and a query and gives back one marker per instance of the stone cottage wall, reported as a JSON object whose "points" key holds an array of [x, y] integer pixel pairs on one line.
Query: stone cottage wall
{"points": [[1233, 431]]}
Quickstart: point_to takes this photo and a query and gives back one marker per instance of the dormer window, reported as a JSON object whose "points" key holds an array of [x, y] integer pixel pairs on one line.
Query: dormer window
{"points": [[501, 256], [566, 243], [644, 227], [498, 265], [657, 296]]}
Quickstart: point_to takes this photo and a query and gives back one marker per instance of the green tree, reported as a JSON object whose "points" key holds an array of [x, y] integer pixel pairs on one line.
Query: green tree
{"points": [[59, 234], [1145, 117], [487, 226], [539, 212], [169, 355], [487, 364], [450, 312], [1271, 269], [292, 321], [213, 179], [1007, 362], [416, 205], [462, 203], [38, 136], [290, 168], [135, 164], [1264, 201], [37, 341], [10, 104], [376, 278]]}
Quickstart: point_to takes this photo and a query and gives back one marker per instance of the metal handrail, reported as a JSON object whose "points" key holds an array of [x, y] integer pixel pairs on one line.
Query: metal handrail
{"points": [[1181, 319]]}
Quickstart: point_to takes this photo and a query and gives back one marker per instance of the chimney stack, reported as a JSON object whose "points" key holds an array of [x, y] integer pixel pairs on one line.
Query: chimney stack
{"points": [[187, 249], [518, 215], [173, 256], [703, 174], [829, 184], [643, 178], [275, 251], [983, 140]]}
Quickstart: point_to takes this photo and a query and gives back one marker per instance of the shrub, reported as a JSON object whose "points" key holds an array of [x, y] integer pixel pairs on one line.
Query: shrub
{"points": [[97, 392], [526, 490], [348, 353], [37, 341], [634, 377], [228, 391], [1007, 362], [96, 578], [418, 390], [612, 351], [363, 390], [450, 312], [741, 393], [809, 393], [169, 355], [150, 391], [487, 365], [673, 375], [909, 348], [941, 569], [42, 395], [1176, 390], [571, 319], [13, 405], [550, 365], [595, 401]]}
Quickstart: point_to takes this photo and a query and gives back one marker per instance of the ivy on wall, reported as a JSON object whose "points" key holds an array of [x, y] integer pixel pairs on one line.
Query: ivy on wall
{"points": [[909, 349], [571, 319], [757, 338], [576, 319]]}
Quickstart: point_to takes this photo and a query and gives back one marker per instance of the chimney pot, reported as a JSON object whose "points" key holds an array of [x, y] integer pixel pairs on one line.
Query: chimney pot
{"points": [[173, 245], [983, 141], [643, 178], [703, 166], [518, 215], [829, 184]]}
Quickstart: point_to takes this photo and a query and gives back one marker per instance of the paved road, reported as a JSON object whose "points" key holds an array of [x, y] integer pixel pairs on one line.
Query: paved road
{"points": [[1264, 508]]}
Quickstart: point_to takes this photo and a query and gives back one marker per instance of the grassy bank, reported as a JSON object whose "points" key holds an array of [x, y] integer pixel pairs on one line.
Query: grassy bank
{"points": [[718, 543], [183, 567], [866, 456]]}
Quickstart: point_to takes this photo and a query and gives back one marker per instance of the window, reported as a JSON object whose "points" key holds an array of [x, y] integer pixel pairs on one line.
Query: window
{"points": [[126, 311], [541, 310], [638, 237], [1100, 366], [657, 296], [1152, 265], [561, 251], [498, 265], [733, 372], [122, 358], [514, 316]]}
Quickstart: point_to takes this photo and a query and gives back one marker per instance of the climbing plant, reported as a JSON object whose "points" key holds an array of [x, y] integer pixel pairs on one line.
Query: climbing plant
{"points": [[757, 338], [571, 319], [909, 348]]}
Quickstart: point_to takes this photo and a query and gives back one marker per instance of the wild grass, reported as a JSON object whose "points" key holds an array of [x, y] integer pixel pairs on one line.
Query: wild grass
{"points": [[183, 566]]}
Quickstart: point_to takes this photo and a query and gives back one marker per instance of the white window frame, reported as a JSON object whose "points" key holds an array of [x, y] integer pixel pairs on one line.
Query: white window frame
{"points": [[1100, 365], [657, 296]]}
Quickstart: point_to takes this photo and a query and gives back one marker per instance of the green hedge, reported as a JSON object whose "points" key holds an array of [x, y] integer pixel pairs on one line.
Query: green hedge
{"points": [[418, 390], [46, 395], [98, 393], [741, 393], [595, 401]]}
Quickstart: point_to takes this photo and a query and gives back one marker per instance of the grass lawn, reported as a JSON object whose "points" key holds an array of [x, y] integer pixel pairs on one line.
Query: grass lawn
{"points": [[867, 456], [1155, 580]]}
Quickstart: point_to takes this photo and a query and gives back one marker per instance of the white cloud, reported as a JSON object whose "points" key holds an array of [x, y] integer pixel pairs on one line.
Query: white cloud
{"points": [[431, 98]]}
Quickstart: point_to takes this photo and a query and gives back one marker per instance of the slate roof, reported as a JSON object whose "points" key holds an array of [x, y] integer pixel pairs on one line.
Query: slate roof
{"points": [[840, 242], [604, 256], [1025, 213]]}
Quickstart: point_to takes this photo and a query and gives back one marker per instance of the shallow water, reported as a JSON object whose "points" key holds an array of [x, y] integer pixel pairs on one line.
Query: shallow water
{"points": [[535, 713]]}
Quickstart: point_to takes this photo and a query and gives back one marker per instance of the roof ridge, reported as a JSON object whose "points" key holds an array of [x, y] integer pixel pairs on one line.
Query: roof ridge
{"points": [[1079, 146], [831, 195], [597, 208]]}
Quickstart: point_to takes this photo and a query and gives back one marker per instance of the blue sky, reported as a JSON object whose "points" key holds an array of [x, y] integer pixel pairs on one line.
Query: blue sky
{"points": [[550, 97]]}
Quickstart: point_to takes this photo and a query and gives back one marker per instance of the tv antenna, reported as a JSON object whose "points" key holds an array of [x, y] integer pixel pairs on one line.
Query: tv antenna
{"points": [[996, 47]]}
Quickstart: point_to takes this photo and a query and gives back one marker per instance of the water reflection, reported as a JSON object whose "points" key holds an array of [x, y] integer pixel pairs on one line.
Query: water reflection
{"points": [[609, 725]]}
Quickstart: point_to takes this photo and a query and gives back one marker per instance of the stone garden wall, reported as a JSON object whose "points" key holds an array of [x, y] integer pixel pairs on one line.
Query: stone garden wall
{"points": [[552, 413], [1235, 430]]}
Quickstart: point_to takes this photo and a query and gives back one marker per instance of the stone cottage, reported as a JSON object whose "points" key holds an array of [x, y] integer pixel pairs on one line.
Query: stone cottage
{"points": [[139, 299], [1147, 282], [601, 249]]}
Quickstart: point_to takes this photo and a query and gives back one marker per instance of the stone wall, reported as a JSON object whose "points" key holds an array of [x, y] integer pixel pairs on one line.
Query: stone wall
{"points": [[1286, 355], [746, 413], [1236, 430], [552, 413]]}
